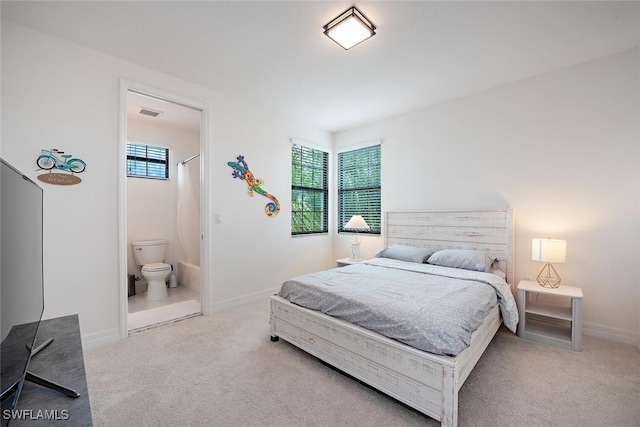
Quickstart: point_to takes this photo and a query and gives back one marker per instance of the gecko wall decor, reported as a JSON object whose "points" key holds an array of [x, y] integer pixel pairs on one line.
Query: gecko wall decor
{"points": [[241, 171]]}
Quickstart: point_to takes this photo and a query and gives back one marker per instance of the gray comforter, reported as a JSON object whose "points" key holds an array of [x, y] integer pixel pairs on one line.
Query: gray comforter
{"points": [[432, 308]]}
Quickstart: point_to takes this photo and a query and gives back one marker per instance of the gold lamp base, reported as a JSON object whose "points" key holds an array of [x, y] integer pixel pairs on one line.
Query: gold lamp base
{"points": [[548, 277]]}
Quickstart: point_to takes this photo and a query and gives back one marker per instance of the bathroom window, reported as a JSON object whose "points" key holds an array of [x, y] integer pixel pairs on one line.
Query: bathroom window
{"points": [[147, 161]]}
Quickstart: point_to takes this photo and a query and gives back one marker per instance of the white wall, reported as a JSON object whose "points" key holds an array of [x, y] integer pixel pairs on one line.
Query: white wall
{"points": [[562, 149], [58, 94]]}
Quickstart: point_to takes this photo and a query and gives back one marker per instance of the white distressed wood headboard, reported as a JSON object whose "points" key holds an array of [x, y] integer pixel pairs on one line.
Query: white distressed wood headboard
{"points": [[490, 231]]}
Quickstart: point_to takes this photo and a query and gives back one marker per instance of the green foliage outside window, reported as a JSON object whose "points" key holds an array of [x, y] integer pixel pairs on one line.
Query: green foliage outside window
{"points": [[309, 190], [359, 187]]}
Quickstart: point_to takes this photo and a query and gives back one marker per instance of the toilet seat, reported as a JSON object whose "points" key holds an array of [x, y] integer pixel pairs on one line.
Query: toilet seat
{"points": [[155, 267]]}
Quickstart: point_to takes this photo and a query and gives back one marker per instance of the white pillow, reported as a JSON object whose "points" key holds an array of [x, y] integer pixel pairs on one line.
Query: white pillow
{"points": [[462, 258], [405, 253]]}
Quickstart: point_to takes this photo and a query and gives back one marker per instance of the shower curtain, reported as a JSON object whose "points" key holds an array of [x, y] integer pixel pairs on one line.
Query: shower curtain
{"points": [[188, 215]]}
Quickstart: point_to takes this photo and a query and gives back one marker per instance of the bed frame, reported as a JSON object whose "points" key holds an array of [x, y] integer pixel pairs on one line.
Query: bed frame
{"points": [[424, 381]]}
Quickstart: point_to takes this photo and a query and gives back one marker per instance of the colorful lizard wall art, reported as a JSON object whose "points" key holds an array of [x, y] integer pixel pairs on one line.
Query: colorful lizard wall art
{"points": [[241, 171]]}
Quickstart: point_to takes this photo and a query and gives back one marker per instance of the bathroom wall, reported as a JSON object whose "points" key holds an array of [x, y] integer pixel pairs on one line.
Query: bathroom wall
{"points": [[152, 203]]}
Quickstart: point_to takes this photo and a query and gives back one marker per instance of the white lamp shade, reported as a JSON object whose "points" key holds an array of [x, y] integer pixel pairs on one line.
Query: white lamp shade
{"points": [[549, 250], [356, 223]]}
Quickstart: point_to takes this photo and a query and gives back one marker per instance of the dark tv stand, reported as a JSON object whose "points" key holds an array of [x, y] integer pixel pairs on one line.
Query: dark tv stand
{"points": [[62, 362], [36, 379]]}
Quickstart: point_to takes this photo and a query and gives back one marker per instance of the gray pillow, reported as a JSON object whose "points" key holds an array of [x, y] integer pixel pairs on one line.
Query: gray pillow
{"points": [[405, 253], [462, 258]]}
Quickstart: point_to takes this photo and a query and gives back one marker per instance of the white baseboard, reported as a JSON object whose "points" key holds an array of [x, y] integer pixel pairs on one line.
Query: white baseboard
{"points": [[611, 334], [110, 336], [245, 299], [98, 339]]}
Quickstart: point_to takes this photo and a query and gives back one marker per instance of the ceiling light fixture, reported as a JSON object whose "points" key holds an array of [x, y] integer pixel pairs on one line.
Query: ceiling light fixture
{"points": [[350, 28]]}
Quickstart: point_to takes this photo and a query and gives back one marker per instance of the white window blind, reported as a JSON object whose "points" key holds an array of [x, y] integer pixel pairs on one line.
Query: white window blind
{"points": [[309, 190], [359, 186]]}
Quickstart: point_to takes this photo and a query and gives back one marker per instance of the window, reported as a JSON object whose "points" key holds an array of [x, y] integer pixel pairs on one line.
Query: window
{"points": [[359, 186], [309, 190], [147, 161]]}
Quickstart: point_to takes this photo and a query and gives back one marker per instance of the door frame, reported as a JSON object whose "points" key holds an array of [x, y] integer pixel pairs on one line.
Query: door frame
{"points": [[205, 291]]}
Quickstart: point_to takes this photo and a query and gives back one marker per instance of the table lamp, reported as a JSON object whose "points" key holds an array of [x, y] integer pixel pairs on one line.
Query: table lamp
{"points": [[549, 251], [356, 223]]}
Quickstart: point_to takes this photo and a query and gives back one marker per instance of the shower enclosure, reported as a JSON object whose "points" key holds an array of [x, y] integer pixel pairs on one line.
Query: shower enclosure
{"points": [[188, 223]]}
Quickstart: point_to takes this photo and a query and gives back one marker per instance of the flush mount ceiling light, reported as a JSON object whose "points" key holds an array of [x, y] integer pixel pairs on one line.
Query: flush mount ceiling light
{"points": [[350, 28]]}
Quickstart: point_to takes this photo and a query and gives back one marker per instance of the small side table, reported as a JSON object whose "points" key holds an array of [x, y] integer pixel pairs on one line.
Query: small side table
{"points": [[347, 261], [550, 324]]}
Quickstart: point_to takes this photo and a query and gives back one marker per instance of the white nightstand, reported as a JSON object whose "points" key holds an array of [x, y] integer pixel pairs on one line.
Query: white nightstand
{"points": [[347, 261], [550, 324]]}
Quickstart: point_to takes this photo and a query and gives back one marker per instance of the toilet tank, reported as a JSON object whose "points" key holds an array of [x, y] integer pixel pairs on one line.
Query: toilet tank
{"points": [[149, 251]]}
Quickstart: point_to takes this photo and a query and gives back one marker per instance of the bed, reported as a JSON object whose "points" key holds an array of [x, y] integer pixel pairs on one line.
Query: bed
{"points": [[424, 380]]}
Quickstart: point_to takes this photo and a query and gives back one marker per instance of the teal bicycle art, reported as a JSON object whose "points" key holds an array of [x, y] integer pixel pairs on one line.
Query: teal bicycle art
{"points": [[48, 160]]}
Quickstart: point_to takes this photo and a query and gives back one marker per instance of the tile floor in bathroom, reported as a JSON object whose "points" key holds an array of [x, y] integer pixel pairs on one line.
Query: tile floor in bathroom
{"points": [[182, 303], [138, 302]]}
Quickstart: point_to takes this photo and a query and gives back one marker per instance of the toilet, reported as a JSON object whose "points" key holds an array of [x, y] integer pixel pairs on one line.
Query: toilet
{"points": [[149, 254]]}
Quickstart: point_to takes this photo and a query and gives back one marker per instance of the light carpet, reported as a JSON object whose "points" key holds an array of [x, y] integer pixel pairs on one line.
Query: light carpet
{"points": [[222, 370], [158, 315]]}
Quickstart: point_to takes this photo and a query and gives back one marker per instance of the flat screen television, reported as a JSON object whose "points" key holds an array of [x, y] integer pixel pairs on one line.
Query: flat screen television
{"points": [[21, 277], [21, 284]]}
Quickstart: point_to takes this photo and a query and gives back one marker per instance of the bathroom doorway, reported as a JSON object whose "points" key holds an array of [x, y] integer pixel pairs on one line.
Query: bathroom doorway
{"points": [[162, 178]]}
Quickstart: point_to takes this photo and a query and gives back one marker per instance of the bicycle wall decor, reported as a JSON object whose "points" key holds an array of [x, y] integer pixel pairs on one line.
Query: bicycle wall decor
{"points": [[49, 160]]}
